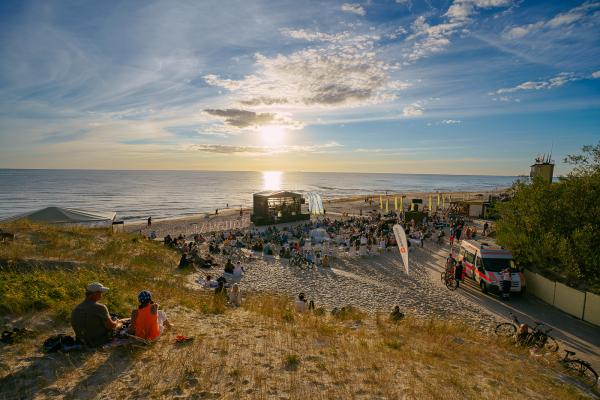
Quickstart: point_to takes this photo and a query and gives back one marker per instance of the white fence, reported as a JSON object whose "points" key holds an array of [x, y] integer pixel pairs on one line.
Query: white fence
{"points": [[582, 305]]}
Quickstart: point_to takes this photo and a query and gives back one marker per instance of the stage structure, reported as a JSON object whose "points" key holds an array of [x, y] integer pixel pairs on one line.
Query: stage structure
{"points": [[277, 207]]}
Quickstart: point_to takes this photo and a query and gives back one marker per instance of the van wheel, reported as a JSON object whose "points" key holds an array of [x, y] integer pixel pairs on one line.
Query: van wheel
{"points": [[483, 287]]}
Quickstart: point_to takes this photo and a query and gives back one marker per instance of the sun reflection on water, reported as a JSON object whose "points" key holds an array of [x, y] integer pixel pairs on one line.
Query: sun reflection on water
{"points": [[272, 180]]}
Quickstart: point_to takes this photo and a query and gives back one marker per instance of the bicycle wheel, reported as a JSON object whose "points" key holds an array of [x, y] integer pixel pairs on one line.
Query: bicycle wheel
{"points": [[582, 370], [505, 329], [551, 344], [451, 283]]}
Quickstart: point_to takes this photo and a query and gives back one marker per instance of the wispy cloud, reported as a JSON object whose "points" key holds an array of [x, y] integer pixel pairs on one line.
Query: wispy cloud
{"points": [[241, 119], [265, 150], [560, 20], [63, 137], [354, 8], [430, 39], [557, 81], [413, 110], [347, 72]]}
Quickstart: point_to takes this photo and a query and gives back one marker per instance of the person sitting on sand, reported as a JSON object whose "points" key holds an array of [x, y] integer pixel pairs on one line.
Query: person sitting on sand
{"points": [[300, 303], [91, 320], [229, 266], [396, 314], [183, 261], [221, 290], [325, 262], [147, 321], [208, 282], [235, 296]]}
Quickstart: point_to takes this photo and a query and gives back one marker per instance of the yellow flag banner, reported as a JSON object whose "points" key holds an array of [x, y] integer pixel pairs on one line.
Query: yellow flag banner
{"points": [[401, 203], [387, 205], [430, 203], [380, 202], [396, 203], [438, 202]]}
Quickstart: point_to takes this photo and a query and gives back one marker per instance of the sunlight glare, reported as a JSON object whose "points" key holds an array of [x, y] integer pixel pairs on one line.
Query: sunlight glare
{"points": [[272, 135], [272, 180]]}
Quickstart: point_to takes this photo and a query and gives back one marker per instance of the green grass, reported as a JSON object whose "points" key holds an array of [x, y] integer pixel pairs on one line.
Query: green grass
{"points": [[47, 268]]}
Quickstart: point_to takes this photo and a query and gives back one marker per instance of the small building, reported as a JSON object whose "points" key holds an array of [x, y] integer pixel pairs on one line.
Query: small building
{"points": [[277, 207], [543, 168], [476, 208]]}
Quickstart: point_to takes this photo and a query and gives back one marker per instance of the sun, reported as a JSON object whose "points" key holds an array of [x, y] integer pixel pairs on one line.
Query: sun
{"points": [[272, 135]]}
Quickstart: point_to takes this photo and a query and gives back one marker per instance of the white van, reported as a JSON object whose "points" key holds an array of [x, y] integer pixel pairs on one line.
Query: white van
{"points": [[484, 262]]}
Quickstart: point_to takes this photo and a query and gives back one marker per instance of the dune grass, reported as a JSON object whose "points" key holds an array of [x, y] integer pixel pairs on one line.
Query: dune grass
{"points": [[261, 350], [48, 267]]}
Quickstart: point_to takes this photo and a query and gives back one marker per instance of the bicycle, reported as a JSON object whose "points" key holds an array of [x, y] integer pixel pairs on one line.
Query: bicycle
{"points": [[448, 280], [533, 337], [582, 368], [298, 260]]}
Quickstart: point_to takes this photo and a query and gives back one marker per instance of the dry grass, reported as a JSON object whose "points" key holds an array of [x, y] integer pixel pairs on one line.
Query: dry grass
{"points": [[262, 350]]}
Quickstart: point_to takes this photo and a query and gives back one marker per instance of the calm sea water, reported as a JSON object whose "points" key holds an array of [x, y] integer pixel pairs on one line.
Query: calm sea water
{"points": [[138, 194]]}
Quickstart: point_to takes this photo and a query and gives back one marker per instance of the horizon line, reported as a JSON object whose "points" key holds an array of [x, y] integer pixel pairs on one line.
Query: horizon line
{"points": [[261, 171]]}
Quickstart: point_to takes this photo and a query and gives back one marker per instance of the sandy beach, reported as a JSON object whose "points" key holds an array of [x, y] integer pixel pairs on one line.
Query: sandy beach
{"points": [[372, 283]]}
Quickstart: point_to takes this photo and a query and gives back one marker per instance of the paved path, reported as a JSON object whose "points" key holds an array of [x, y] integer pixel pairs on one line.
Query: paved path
{"points": [[575, 334]]}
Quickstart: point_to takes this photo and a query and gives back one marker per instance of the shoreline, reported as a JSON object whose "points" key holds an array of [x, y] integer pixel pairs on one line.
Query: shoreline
{"points": [[229, 218]]}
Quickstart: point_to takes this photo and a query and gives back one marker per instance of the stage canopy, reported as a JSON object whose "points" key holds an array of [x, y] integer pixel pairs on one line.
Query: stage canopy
{"points": [[59, 215]]}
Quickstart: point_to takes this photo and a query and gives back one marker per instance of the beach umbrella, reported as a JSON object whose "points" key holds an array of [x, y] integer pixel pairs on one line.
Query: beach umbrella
{"points": [[396, 203]]}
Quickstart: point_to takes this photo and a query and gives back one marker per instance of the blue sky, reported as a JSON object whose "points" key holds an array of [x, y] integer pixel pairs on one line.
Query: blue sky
{"points": [[462, 86]]}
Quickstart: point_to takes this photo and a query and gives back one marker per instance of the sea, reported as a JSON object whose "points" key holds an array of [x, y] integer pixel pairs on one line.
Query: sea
{"points": [[135, 195]]}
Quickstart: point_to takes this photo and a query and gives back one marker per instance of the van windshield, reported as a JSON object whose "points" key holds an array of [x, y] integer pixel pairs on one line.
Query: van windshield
{"points": [[497, 264]]}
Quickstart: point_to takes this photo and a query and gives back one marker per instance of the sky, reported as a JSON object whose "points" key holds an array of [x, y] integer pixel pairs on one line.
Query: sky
{"points": [[406, 86]]}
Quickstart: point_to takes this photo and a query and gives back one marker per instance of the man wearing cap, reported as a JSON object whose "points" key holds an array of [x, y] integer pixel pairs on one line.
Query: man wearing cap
{"points": [[90, 320]]}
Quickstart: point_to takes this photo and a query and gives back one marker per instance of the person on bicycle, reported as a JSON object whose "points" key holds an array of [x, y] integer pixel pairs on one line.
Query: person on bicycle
{"points": [[450, 262], [458, 273]]}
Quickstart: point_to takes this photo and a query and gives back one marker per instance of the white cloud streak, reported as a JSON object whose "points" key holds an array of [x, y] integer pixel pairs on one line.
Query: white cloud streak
{"points": [[265, 150], [354, 8], [430, 39], [560, 20], [413, 110], [554, 82]]}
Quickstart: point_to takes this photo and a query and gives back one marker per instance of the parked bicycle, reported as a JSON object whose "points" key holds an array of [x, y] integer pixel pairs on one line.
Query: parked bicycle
{"points": [[581, 368], [528, 336], [298, 260]]}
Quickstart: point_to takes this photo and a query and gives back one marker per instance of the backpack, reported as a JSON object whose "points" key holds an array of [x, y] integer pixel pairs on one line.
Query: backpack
{"points": [[59, 342]]}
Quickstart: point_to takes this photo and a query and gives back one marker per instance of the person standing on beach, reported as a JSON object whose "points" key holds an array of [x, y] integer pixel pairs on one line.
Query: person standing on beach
{"points": [[506, 283], [216, 211], [458, 273], [485, 229], [149, 222]]}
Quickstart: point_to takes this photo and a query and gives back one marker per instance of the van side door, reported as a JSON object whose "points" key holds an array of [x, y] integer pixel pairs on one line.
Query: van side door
{"points": [[477, 267]]}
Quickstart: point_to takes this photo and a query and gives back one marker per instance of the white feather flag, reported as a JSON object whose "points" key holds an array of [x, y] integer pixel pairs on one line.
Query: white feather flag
{"points": [[402, 245]]}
